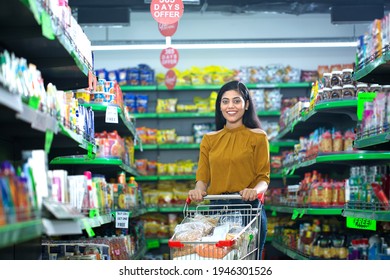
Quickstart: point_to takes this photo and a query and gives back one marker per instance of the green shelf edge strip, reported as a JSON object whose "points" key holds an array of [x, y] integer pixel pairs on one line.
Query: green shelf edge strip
{"points": [[86, 161], [24, 231], [371, 66], [213, 87], [361, 155], [77, 138], [95, 161], [303, 211], [20, 225], [353, 156], [372, 140], [178, 146], [336, 104]]}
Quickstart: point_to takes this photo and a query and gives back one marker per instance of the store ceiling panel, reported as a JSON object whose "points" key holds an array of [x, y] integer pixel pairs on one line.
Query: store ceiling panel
{"points": [[235, 6]]}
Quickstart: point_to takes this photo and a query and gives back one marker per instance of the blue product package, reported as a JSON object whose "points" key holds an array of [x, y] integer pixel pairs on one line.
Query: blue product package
{"points": [[146, 76], [122, 76], [130, 101], [133, 76], [112, 75], [142, 103], [101, 74]]}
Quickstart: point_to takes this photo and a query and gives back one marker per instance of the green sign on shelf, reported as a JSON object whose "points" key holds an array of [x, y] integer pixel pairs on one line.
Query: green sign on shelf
{"points": [[152, 243], [361, 223], [364, 97]]}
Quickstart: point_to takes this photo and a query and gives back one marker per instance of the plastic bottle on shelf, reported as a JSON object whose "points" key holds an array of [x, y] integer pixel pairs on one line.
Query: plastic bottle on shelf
{"points": [[133, 189]]}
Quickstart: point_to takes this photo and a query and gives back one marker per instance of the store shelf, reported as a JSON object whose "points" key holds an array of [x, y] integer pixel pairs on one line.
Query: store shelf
{"points": [[11, 101], [376, 71], [300, 211], [20, 232], [165, 177], [138, 88], [289, 252], [212, 87], [39, 121], [82, 160], [380, 141], [345, 158], [324, 112], [102, 108], [181, 115], [83, 143], [22, 34], [192, 177]]}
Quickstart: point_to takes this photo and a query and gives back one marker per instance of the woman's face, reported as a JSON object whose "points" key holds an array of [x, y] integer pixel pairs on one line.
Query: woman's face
{"points": [[233, 108]]}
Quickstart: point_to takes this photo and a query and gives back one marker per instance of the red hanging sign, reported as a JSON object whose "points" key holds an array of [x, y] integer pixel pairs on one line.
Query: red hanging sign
{"points": [[170, 79], [169, 57], [167, 11], [167, 30]]}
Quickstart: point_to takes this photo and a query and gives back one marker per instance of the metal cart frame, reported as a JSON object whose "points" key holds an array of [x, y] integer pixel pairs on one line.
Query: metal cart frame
{"points": [[242, 245]]}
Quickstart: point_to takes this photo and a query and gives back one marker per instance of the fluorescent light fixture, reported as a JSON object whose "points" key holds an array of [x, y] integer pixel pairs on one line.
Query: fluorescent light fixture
{"points": [[195, 46]]}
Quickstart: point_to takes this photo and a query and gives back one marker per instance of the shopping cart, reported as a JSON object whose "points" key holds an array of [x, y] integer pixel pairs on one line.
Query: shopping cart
{"points": [[217, 231]]}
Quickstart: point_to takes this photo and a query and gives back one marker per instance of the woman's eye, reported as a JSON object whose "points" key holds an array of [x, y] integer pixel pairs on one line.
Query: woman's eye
{"points": [[225, 102], [237, 101]]}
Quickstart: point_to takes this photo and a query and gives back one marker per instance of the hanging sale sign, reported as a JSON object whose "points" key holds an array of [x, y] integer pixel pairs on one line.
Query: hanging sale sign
{"points": [[167, 11], [169, 57], [170, 79], [167, 30]]}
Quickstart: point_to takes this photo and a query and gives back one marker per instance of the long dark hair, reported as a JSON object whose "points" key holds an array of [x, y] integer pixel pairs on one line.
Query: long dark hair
{"points": [[250, 118]]}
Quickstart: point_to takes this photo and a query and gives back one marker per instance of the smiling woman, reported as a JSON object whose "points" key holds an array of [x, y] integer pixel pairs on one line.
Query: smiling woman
{"points": [[234, 159]]}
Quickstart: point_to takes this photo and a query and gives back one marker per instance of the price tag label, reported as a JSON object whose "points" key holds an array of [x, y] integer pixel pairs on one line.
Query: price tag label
{"points": [[111, 114], [122, 219]]}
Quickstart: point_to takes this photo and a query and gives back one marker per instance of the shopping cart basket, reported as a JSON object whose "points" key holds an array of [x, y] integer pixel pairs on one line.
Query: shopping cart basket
{"points": [[217, 231]]}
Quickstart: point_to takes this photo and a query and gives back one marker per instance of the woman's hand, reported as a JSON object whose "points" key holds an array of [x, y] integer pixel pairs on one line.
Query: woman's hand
{"points": [[196, 195], [248, 194]]}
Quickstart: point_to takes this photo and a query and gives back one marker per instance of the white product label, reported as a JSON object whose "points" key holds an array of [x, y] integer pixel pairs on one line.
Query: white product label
{"points": [[122, 219], [112, 114]]}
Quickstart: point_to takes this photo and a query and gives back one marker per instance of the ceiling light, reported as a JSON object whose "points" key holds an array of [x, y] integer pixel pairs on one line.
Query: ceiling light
{"points": [[243, 45]]}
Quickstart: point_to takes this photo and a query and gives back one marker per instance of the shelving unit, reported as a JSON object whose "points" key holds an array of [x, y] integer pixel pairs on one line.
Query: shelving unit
{"points": [[69, 70]]}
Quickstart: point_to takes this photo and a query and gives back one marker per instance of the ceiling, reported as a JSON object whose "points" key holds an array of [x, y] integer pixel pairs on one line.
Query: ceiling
{"points": [[238, 6]]}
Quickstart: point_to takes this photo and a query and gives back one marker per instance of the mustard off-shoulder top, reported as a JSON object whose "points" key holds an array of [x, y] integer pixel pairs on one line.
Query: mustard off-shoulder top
{"points": [[231, 160]]}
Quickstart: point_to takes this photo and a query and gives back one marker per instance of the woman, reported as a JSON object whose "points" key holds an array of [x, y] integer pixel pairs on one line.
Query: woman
{"points": [[235, 157]]}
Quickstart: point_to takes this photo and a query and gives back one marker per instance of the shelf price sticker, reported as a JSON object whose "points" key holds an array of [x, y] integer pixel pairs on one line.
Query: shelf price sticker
{"points": [[122, 219], [111, 114], [361, 223]]}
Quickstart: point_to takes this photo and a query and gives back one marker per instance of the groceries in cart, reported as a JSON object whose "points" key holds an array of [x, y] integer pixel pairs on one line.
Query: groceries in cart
{"points": [[213, 234]]}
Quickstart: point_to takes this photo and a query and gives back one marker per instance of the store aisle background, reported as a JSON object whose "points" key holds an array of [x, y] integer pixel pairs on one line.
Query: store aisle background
{"points": [[218, 26]]}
